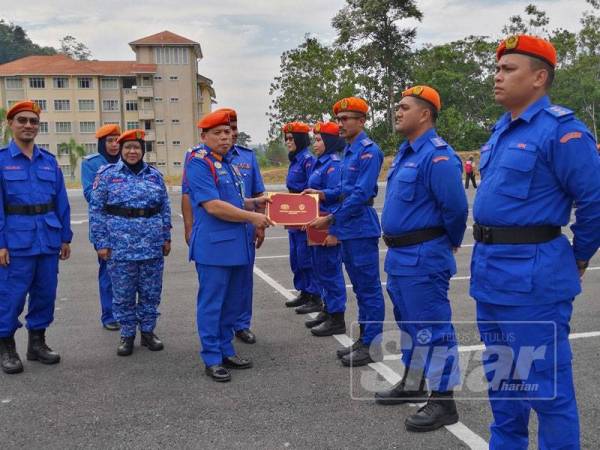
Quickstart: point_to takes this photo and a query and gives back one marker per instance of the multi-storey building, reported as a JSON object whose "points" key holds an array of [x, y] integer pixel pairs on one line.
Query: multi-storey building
{"points": [[161, 92]]}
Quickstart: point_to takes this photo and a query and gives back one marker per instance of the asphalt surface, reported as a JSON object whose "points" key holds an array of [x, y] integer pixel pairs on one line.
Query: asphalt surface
{"points": [[297, 395]]}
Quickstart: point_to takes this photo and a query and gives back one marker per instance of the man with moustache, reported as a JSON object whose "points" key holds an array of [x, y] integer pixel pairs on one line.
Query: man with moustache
{"points": [[525, 273]]}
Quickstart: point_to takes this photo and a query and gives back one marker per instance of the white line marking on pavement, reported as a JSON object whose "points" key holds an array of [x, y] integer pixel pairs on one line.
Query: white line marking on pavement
{"points": [[78, 222], [5, 401], [459, 429]]}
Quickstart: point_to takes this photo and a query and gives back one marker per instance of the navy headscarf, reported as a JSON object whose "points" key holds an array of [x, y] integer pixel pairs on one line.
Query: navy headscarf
{"points": [[102, 150], [135, 168]]}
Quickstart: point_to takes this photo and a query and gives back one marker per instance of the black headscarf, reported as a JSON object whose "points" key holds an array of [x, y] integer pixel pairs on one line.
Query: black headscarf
{"points": [[135, 168], [102, 150], [302, 141], [333, 144]]}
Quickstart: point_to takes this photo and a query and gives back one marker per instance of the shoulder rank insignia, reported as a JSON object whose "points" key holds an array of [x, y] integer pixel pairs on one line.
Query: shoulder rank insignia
{"points": [[201, 153], [438, 142], [366, 142], [558, 111], [366, 156], [440, 158], [572, 135], [335, 157]]}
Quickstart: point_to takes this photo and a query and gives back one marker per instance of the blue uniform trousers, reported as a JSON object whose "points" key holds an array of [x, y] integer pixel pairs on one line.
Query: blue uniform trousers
{"points": [[419, 301], [301, 263], [131, 279], [106, 297], [245, 316], [34, 275], [549, 380], [361, 259], [327, 264], [218, 306]]}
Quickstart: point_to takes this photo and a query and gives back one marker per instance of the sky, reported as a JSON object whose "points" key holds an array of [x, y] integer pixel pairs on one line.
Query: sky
{"points": [[242, 41]]}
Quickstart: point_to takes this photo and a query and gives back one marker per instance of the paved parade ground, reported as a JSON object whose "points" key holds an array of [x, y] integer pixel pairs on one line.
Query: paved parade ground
{"points": [[298, 395]]}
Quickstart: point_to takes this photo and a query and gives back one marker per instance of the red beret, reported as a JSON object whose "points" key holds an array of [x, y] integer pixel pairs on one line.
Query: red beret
{"points": [[351, 104], [296, 127], [132, 135], [232, 113], [23, 105], [214, 119], [108, 130], [327, 128], [426, 93], [528, 45]]}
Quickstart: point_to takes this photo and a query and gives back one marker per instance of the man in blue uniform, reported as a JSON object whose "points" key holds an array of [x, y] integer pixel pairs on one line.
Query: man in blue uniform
{"points": [[302, 161], [219, 243], [356, 225], [108, 153], [525, 273], [424, 220], [35, 232]]}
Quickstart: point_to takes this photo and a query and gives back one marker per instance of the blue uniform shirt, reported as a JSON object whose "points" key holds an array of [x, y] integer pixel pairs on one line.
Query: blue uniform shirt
{"points": [[247, 164], [33, 182], [361, 165], [89, 167], [299, 171], [216, 242], [130, 239], [532, 170], [326, 174], [424, 190]]}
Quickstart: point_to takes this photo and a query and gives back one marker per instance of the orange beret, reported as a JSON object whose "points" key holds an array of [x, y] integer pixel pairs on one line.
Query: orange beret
{"points": [[528, 45], [351, 104], [214, 119], [23, 105], [108, 130], [132, 135], [426, 93], [295, 127], [232, 113], [327, 128]]}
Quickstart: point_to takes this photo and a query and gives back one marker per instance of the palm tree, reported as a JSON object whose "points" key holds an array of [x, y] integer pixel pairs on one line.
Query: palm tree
{"points": [[5, 133], [75, 152]]}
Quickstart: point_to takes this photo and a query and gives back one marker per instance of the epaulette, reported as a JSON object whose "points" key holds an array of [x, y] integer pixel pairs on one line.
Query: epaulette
{"points": [[200, 153], [91, 156], [559, 112], [438, 142], [2, 149], [241, 147], [335, 157], [366, 142], [104, 168], [307, 156], [47, 152]]}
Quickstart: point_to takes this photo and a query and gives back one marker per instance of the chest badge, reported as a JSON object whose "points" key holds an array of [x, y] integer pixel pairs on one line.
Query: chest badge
{"points": [[218, 165]]}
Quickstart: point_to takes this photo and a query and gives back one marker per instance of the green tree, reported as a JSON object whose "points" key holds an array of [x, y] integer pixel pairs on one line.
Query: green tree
{"points": [[312, 78], [534, 23], [70, 46], [15, 44], [276, 153], [75, 152], [244, 139], [5, 133]]}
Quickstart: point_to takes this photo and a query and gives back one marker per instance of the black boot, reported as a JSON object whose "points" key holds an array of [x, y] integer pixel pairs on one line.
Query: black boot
{"points": [[125, 347], [9, 358], [321, 317], [410, 389], [335, 324], [37, 350], [359, 357], [346, 350], [439, 410], [300, 300], [152, 341], [314, 304]]}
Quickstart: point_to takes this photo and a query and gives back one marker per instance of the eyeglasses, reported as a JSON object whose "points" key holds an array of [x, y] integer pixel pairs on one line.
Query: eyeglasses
{"points": [[346, 118], [32, 120], [289, 139]]}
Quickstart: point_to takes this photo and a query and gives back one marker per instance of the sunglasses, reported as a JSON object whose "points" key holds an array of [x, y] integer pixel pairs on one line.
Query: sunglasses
{"points": [[32, 120]]}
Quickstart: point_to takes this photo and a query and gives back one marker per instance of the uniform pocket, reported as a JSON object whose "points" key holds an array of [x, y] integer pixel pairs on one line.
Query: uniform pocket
{"points": [[220, 236], [510, 267], [16, 181], [516, 170], [54, 227], [20, 235], [407, 183], [47, 180]]}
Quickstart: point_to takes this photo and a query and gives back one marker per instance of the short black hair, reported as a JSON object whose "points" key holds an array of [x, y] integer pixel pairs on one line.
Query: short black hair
{"points": [[433, 112], [538, 64]]}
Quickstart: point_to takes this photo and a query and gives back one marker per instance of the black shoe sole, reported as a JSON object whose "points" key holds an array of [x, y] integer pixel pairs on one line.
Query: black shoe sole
{"points": [[217, 379], [447, 420], [111, 328], [12, 371], [355, 363], [124, 354], [48, 362], [328, 333], [234, 367], [315, 309]]}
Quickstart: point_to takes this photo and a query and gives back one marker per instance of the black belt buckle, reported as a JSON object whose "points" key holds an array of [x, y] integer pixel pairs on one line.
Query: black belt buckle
{"points": [[37, 209], [141, 213], [482, 233]]}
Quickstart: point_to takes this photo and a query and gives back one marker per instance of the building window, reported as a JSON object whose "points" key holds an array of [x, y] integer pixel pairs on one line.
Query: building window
{"points": [[90, 147], [173, 78], [84, 82], [61, 83], [174, 99], [65, 168], [43, 127], [131, 105], [62, 105], [129, 82], [161, 163], [157, 78], [109, 83], [171, 55], [146, 81], [63, 127], [10, 103], [44, 146], [177, 163], [86, 105], [159, 121], [43, 104], [176, 142], [14, 83], [160, 142], [110, 105], [108, 122], [87, 127], [148, 146], [133, 125], [158, 99], [175, 122], [37, 83]]}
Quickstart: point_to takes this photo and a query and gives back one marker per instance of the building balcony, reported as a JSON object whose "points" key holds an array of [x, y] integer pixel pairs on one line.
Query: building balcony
{"points": [[146, 114], [145, 92]]}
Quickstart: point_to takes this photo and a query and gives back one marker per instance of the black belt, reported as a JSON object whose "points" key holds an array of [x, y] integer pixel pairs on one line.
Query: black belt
{"points": [[369, 202], [414, 237], [515, 235], [29, 210], [131, 213]]}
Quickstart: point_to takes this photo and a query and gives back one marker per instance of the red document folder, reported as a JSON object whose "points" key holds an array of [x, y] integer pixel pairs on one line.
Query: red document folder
{"points": [[293, 209]]}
